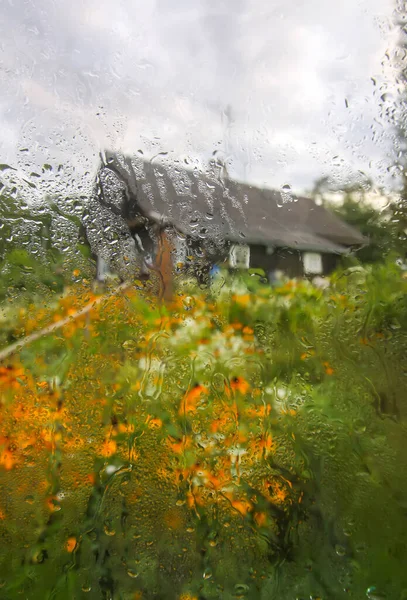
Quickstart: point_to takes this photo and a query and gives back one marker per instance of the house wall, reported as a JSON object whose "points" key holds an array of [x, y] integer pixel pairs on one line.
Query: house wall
{"points": [[289, 261], [161, 251], [330, 262]]}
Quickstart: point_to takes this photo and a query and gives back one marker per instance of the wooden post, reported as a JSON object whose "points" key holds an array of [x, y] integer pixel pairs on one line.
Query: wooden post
{"points": [[164, 266]]}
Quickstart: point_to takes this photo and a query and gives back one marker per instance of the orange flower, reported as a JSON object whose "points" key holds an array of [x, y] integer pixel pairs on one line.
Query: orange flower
{"points": [[260, 518], [53, 503], [217, 424], [242, 506], [243, 300], [50, 438], [216, 483], [7, 460], [90, 478], [154, 423], [328, 369], [42, 384], [109, 447], [178, 446], [194, 498], [266, 443], [191, 398], [9, 376], [124, 428], [289, 411], [280, 494], [239, 384], [275, 491], [258, 411], [71, 544]]}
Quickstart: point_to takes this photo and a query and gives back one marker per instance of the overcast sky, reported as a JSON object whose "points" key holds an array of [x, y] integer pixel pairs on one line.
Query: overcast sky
{"points": [[285, 90]]}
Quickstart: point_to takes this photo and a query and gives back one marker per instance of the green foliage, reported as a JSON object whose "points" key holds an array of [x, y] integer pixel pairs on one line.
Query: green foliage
{"points": [[372, 224], [32, 260], [384, 225], [245, 441], [379, 226], [23, 276]]}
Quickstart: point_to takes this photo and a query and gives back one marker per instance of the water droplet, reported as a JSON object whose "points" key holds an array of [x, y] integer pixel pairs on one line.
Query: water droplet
{"points": [[241, 589], [340, 550], [108, 529], [387, 97], [129, 345], [188, 302], [359, 426], [218, 382], [373, 594], [132, 573]]}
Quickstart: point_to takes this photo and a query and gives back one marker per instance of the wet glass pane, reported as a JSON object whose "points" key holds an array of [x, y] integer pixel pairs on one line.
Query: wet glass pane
{"points": [[203, 273]]}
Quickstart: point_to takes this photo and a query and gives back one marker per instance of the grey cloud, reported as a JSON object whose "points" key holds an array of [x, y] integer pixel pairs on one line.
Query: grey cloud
{"points": [[160, 76]]}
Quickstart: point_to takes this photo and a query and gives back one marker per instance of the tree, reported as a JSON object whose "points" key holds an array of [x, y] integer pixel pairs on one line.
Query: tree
{"points": [[397, 115], [33, 242], [378, 225]]}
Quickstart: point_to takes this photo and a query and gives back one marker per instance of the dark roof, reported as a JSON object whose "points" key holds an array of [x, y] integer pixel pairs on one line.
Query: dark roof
{"points": [[205, 205]]}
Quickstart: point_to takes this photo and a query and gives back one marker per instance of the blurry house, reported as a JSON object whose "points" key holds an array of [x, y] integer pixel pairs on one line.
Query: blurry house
{"points": [[207, 219]]}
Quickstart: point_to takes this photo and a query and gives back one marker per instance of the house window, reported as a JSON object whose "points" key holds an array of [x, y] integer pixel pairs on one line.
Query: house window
{"points": [[180, 251], [312, 263], [102, 269], [239, 257]]}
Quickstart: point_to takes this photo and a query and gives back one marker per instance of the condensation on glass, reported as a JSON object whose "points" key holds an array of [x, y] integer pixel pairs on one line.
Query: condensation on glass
{"points": [[202, 300]]}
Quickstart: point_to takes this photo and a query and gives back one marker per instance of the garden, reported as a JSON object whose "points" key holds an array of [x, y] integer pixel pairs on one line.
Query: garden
{"points": [[241, 441]]}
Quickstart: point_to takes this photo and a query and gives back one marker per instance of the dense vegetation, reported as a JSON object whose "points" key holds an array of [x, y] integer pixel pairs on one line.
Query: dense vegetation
{"points": [[242, 442]]}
